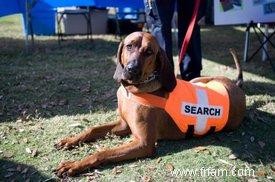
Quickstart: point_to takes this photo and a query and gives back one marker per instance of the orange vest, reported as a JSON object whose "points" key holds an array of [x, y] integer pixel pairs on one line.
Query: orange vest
{"points": [[200, 105]]}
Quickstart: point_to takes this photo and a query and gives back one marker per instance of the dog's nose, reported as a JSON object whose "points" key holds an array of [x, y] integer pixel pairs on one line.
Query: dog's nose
{"points": [[132, 69]]}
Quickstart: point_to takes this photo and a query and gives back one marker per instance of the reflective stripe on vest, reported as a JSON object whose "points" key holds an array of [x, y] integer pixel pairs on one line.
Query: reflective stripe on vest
{"points": [[200, 105]]}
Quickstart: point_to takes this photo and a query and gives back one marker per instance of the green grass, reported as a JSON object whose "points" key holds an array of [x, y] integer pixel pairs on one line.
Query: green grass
{"points": [[60, 90]]}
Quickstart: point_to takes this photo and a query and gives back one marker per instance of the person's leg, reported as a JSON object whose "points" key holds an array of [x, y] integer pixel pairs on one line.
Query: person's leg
{"points": [[159, 14], [153, 21], [166, 12], [189, 68]]}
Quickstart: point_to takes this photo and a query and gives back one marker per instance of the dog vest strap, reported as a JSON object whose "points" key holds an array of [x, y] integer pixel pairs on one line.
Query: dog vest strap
{"points": [[189, 132], [150, 100], [144, 98]]}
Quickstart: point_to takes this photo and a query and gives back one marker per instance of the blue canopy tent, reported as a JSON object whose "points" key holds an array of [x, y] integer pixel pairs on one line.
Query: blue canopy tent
{"points": [[39, 15]]}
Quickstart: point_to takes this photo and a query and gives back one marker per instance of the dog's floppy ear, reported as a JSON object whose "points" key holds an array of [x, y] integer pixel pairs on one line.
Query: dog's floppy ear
{"points": [[119, 69], [167, 76]]}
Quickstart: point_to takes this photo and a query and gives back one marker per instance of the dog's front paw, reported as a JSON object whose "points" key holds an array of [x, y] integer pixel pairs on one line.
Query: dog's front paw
{"points": [[66, 143], [68, 168]]}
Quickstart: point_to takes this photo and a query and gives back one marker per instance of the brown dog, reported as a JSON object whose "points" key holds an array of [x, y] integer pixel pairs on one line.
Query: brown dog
{"points": [[143, 67]]}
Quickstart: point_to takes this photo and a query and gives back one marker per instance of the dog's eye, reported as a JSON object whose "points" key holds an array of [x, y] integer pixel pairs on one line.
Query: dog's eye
{"points": [[129, 47], [149, 52]]}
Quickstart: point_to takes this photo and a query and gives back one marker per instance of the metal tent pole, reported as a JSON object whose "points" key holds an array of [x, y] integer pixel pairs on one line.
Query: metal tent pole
{"points": [[26, 26], [246, 44], [264, 53]]}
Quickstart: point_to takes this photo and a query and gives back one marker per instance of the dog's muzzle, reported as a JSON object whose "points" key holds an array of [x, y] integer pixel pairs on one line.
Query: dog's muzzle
{"points": [[132, 72]]}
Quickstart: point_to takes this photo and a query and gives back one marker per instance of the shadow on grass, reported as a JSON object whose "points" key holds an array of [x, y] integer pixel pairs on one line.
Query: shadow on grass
{"points": [[12, 171], [259, 88], [70, 79]]}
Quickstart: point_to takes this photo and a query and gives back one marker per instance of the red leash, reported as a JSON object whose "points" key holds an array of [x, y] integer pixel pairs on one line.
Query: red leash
{"points": [[189, 32]]}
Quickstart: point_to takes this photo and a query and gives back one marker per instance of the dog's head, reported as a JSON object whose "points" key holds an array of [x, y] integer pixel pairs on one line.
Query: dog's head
{"points": [[142, 65]]}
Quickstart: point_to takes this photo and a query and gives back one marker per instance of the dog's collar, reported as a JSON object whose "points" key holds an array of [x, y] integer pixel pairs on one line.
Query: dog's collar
{"points": [[153, 76], [150, 78]]}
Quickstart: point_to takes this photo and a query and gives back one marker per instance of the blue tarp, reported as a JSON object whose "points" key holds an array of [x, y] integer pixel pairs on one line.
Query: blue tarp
{"points": [[11, 7], [8, 7], [43, 11]]}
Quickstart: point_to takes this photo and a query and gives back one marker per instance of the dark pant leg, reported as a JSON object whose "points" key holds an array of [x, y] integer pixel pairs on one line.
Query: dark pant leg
{"points": [[153, 21], [166, 11], [159, 18], [189, 68]]}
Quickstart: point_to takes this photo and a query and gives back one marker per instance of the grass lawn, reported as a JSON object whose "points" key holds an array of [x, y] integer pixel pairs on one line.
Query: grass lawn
{"points": [[60, 90]]}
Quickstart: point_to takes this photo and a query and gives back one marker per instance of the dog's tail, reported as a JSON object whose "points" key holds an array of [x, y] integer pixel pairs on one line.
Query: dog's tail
{"points": [[239, 80]]}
